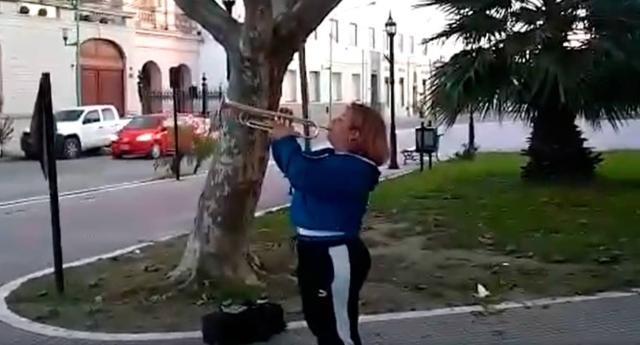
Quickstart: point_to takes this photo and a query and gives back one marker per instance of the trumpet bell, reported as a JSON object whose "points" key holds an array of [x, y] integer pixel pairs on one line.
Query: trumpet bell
{"points": [[262, 119]]}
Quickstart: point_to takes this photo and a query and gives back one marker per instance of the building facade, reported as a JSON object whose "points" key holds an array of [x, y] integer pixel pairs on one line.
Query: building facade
{"points": [[96, 59], [347, 60], [120, 50]]}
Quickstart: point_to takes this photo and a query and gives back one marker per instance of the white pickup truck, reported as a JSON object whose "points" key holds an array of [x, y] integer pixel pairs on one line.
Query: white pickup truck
{"points": [[81, 129]]}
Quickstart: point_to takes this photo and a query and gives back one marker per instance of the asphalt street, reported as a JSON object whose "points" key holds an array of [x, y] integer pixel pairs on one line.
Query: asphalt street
{"points": [[103, 221], [20, 178], [98, 222]]}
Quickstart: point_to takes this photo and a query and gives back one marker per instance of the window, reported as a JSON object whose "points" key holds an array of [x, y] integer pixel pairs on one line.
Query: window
{"points": [[108, 114], [92, 116], [68, 115], [372, 38], [315, 34], [424, 49], [290, 90], [356, 87], [144, 122], [424, 86], [336, 85], [400, 42], [353, 34], [334, 30], [401, 86], [314, 87], [411, 44]]}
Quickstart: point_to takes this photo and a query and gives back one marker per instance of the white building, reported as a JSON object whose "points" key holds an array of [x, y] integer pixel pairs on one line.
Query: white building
{"points": [[119, 39], [346, 60], [350, 65]]}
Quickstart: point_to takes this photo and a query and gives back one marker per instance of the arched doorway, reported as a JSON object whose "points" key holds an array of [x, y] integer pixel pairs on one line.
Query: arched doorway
{"points": [[102, 70], [185, 101], [151, 88], [185, 76]]}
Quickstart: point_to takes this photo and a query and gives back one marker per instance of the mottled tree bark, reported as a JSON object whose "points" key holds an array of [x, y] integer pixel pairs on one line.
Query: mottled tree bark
{"points": [[260, 49]]}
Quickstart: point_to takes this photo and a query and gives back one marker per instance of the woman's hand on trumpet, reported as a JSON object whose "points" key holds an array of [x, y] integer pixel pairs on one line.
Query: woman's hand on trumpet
{"points": [[282, 128]]}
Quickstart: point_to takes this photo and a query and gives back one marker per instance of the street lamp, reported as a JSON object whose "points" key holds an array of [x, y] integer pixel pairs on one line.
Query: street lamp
{"points": [[228, 5], [390, 28], [76, 44]]}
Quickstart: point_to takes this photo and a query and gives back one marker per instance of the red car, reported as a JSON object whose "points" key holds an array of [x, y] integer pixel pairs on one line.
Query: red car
{"points": [[143, 136]]}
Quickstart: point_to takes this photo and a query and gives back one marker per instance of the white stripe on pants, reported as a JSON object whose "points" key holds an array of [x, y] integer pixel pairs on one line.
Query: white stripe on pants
{"points": [[340, 291]]}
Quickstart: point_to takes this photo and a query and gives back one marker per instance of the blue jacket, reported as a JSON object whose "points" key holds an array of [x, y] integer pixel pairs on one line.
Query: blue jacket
{"points": [[330, 189]]}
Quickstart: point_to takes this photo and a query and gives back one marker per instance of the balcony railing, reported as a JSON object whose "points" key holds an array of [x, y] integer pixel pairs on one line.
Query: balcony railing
{"points": [[105, 3], [152, 18], [184, 24], [147, 18]]}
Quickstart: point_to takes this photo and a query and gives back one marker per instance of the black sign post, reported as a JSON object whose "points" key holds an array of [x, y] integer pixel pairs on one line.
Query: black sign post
{"points": [[422, 128], [43, 134], [426, 142], [174, 77]]}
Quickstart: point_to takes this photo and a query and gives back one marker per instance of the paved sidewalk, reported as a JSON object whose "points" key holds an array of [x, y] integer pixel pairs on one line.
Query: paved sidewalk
{"points": [[611, 321]]}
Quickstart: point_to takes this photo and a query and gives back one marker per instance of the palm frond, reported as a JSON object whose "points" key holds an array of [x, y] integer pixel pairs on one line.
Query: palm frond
{"points": [[520, 58], [456, 7], [472, 81], [472, 29]]}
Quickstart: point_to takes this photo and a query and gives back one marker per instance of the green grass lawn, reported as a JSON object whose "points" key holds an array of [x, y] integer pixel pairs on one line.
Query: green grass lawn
{"points": [[574, 223], [433, 236]]}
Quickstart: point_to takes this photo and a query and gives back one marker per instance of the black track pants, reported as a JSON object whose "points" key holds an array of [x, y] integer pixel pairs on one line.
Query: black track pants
{"points": [[330, 276]]}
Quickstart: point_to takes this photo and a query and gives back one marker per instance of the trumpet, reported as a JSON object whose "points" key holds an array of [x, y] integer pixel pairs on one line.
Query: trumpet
{"points": [[263, 119]]}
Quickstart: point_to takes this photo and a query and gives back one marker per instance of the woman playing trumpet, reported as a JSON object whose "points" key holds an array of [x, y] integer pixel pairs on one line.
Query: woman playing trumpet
{"points": [[331, 190]]}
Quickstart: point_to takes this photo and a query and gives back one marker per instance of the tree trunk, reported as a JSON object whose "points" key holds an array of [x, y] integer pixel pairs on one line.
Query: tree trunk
{"points": [[218, 244], [556, 149], [471, 145], [259, 49]]}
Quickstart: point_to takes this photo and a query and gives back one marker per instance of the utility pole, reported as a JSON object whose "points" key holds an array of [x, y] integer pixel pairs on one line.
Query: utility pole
{"points": [[331, 38], [304, 91]]}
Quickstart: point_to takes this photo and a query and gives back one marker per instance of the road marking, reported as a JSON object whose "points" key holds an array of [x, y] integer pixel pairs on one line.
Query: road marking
{"points": [[119, 186]]}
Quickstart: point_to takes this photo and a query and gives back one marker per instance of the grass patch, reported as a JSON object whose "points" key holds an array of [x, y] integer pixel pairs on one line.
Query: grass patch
{"points": [[433, 237]]}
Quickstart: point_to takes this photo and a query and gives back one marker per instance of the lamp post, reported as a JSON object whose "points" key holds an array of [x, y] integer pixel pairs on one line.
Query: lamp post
{"points": [[390, 28], [228, 5], [65, 38]]}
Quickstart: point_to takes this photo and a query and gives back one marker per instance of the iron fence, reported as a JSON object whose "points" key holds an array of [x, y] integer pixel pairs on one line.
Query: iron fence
{"points": [[193, 100]]}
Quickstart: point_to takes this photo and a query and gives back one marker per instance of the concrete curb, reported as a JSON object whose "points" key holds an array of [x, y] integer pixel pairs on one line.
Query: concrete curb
{"points": [[17, 321]]}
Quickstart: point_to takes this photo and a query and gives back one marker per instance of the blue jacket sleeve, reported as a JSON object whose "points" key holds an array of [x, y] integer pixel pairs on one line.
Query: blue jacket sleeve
{"points": [[315, 174]]}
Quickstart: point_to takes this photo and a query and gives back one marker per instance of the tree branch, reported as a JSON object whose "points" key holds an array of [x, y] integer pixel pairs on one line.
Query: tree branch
{"points": [[259, 20], [303, 16], [213, 18]]}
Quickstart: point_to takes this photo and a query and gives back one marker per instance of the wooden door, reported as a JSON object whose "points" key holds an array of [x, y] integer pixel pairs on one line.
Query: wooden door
{"points": [[102, 74], [103, 86], [89, 86], [110, 86]]}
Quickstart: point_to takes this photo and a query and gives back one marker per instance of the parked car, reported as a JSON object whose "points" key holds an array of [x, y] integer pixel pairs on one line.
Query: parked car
{"points": [[83, 129], [144, 135]]}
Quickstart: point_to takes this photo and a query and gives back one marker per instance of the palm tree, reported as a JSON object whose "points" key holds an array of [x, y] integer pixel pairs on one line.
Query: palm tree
{"points": [[546, 62]]}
